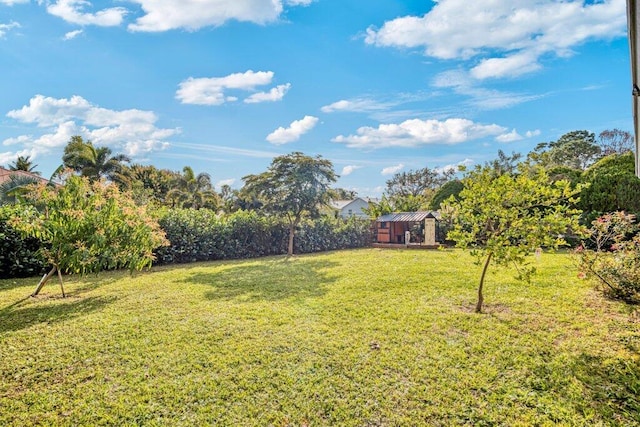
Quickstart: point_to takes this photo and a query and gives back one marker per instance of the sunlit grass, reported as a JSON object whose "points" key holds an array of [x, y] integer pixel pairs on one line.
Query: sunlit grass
{"points": [[364, 337]]}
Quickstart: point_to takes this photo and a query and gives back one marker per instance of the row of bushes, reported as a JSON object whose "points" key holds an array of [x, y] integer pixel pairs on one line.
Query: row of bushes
{"points": [[201, 235]]}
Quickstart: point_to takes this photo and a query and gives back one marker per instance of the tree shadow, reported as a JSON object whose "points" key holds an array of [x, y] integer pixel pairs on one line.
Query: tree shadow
{"points": [[52, 309], [613, 386], [270, 281]]}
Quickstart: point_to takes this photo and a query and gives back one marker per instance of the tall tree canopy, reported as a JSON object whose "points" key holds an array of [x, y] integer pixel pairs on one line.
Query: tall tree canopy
{"points": [[503, 219], [413, 190], [577, 150], [293, 185], [94, 162], [193, 191], [615, 141], [23, 163]]}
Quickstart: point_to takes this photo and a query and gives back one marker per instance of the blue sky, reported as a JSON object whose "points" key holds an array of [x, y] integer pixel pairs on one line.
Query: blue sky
{"points": [[376, 86]]}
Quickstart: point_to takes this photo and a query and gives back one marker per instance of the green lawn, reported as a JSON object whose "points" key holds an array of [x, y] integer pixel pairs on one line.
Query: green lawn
{"points": [[365, 338]]}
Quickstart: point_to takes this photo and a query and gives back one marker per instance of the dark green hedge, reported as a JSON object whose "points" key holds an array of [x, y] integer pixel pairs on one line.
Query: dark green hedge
{"points": [[200, 235], [18, 256]]}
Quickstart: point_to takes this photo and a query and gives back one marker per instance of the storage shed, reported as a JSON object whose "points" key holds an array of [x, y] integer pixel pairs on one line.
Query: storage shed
{"points": [[422, 228]]}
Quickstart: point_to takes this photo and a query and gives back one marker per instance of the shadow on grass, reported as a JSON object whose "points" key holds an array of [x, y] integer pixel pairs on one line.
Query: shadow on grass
{"points": [[31, 311], [270, 281], [614, 386]]}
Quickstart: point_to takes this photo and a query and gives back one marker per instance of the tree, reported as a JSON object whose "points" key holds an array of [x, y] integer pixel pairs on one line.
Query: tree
{"points": [[15, 187], [193, 191], [343, 194], [23, 163], [293, 185], [505, 163], [451, 188], [150, 184], [94, 162], [87, 227], [615, 141], [577, 150], [502, 219], [410, 191], [612, 186]]}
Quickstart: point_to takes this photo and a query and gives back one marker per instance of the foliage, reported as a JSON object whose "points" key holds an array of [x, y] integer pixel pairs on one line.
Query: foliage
{"points": [[94, 162], [503, 219], [451, 188], [88, 227], [342, 194], [19, 256], [200, 235], [577, 150], [149, 184], [612, 258], [13, 189], [193, 191], [615, 141], [348, 338], [612, 186], [294, 185], [412, 191], [23, 163], [377, 209], [505, 164]]}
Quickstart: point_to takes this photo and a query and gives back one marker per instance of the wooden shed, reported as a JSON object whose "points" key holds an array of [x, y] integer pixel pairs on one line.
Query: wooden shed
{"points": [[422, 228]]}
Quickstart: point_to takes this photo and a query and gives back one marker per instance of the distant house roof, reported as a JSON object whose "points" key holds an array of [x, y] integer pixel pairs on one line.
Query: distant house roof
{"points": [[5, 175], [339, 204], [408, 216]]}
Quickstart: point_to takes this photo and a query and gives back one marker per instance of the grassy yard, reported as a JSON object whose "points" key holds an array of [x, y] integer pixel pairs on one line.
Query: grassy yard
{"points": [[363, 338]]}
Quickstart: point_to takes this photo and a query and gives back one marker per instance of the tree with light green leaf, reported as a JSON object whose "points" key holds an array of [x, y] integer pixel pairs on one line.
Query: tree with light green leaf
{"points": [[87, 227], [503, 219]]}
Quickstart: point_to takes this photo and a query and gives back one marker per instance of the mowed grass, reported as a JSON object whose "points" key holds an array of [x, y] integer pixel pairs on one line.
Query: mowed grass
{"points": [[364, 337]]}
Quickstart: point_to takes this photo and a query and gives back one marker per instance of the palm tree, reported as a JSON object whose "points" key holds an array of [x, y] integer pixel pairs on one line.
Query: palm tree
{"points": [[23, 163], [193, 191], [94, 162], [15, 187]]}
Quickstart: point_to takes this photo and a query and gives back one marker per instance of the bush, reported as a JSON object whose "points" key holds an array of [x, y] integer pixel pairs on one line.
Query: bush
{"points": [[201, 235], [614, 261], [19, 256]]}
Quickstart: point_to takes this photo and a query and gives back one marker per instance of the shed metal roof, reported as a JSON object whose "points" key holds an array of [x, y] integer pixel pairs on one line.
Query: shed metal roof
{"points": [[408, 216]]}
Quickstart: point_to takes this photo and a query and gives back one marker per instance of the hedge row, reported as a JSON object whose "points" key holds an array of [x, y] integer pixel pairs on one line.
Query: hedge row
{"points": [[201, 235]]}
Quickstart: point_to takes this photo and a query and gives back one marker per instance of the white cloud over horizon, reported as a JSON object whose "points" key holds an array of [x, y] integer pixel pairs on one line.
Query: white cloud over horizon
{"points": [[72, 11], [509, 37], [416, 132], [292, 133], [349, 169], [132, 131], [212, 90], [390, 170], [4, 28]]}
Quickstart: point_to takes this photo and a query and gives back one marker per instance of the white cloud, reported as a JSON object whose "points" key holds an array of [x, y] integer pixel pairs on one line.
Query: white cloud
{"points": [[392, 169], [359, 105], [12, 2], [295, 130], [299, 2], [509, 35], [4, 28], [454, 166], [72, 34], [349, 169], [275, 94], [163, 15], [464, 83], [509, 137], [132, 131], [73, 11], [223, 182], [211, 90], [532, 133], [416, 132]]}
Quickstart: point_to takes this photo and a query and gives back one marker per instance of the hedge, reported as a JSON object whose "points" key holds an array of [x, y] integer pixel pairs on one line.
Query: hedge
{"points": [[18, 256]]}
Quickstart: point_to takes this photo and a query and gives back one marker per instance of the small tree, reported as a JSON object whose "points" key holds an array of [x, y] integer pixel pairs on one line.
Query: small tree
{"points": [[503, 219], [87, 227], [294, 185]]}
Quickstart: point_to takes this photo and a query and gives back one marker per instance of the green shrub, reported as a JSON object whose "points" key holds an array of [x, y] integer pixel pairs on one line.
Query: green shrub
{"points": [[18, 256], [614, 261]]}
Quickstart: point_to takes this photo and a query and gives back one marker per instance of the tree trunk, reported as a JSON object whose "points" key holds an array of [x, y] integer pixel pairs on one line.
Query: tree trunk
{"points": [[61, 285], [292, 231], [44, 280], [484, 272]]}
